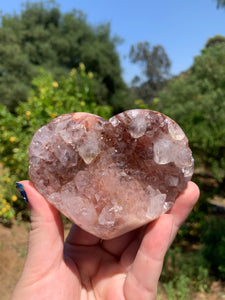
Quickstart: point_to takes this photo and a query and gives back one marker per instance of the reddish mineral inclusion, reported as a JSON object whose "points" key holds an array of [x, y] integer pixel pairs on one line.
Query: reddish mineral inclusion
{"points": [[110, 177]]}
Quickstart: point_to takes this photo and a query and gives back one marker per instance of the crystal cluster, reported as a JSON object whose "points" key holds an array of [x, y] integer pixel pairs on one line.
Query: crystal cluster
{"points": [[110, 177]]}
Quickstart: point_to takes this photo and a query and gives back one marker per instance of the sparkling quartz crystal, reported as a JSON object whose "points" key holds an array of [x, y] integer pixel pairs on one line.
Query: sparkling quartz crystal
{"points": [[110, 177]]}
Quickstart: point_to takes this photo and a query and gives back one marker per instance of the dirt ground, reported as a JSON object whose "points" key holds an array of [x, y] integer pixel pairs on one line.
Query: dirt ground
{"points": [[13, 247]]}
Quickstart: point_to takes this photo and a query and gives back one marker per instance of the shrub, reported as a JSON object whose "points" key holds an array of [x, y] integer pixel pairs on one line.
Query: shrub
{"points": [[183, 273], [213, 241], [47, 100], [6, 199]]}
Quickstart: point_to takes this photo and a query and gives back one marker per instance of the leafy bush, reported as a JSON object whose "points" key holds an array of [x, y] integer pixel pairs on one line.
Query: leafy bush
{"points": [[48, 100], [6, 199], [183, 273], [213, 240]]}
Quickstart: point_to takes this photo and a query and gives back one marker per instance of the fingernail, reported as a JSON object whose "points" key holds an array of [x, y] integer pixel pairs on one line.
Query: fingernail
{"points": [[23, 194]]}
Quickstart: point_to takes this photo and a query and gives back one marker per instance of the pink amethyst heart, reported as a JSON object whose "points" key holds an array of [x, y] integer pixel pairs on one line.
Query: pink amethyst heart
{"points": [[110, 177]]}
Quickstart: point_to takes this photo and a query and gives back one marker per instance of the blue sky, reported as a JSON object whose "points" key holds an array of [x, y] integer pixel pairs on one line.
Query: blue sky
{"points": [[182, 27]]}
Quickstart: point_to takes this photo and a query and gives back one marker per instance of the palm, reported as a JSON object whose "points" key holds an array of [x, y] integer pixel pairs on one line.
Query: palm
{"points": [[101, 267], [127, 267], [97, 273], [102, 270]]}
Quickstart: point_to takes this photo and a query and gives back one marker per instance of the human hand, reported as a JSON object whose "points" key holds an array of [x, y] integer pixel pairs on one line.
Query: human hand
{"points": [[84, 267]]}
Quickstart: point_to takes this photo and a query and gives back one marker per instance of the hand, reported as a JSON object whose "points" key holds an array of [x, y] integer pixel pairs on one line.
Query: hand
{"points": [[84, 267]]}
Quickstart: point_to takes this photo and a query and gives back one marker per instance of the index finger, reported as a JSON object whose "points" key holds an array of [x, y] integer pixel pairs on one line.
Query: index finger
{"points": [[183, 206]]}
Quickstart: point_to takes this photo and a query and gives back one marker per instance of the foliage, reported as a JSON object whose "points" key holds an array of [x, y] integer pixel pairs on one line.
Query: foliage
{"points": [[196, 100], [190, 231], [48, 100], [213, 241], [41, 35], [183, 273], [155, 64], [217, 39], [220, 3], [15, 69], [6, 199]]}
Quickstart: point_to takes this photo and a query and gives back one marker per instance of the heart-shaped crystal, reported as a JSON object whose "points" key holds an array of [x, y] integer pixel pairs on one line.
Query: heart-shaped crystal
{"points": [[110, 177]]}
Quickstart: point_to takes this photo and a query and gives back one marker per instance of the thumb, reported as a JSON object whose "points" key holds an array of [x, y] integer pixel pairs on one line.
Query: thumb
{"points": [[46, 240]]}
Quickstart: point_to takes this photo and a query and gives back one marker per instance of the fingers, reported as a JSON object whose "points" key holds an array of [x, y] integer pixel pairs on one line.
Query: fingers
{"points": [[117, 245], [183, 206], [142, 278], [45, 246]]}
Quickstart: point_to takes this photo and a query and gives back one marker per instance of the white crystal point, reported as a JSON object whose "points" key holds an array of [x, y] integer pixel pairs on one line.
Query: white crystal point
{"points": [[175, 131], [157, 201], [89, 149], [110, 177], [163, 151], [137, 127]]}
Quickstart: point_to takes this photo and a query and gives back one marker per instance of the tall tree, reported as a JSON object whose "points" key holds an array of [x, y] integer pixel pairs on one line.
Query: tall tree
{"points": [[217, 39], [220, 3], [41, 35], [155, 69], [196, 100]]}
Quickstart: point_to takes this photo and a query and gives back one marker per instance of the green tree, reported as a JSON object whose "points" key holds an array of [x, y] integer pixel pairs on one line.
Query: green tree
{"points": [[220, 3], [155, 64], [217, 39], [196, 100], [41, 35], [15, 68]]}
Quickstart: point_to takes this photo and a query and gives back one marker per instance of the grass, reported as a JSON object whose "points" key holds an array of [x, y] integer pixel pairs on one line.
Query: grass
{"points": [[183, 273]]}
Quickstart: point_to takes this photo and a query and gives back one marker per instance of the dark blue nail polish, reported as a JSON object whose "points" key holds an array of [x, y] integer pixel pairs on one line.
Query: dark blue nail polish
{"points": [[23, 194]]}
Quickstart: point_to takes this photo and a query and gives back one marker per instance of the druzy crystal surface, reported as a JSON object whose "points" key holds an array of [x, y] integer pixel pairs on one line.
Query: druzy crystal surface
{"points": [[110, 177]]}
